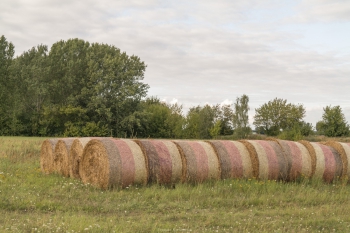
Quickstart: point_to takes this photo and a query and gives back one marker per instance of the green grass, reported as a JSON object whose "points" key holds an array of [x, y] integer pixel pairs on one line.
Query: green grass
{"points": [[33, 202]]}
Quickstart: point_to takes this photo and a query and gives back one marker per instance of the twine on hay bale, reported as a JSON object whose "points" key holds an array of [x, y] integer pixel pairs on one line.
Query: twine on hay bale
{"points": [[47, 155], [234, 159], [343, 150], [76, 152], [61, 156], [108, 163], [164, 161], [202, 162]]}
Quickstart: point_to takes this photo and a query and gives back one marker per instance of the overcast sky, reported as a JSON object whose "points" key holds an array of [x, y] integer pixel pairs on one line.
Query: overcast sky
{"points": [[201, 51]]}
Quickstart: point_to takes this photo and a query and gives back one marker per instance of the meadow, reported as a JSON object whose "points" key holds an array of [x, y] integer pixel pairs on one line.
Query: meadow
{"points": [[33, 202]]}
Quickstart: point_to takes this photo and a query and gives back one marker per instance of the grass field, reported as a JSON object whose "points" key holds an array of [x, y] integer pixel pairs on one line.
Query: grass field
{"points": [[33, 202]]}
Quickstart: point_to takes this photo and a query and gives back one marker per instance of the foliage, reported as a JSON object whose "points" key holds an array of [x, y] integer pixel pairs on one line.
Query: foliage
{"points": [[278, 115], [215, 130], [241, 118], [8, 120], [207, 122], [333, 123], [71, 89]]}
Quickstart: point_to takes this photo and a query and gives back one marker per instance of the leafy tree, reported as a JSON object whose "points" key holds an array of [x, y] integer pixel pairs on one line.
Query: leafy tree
{"points": [[241, 118], [200, 121], [333, 122], [226, 117], [297, 132], [31, 74], [97, 78], [114, 88], [7, 87], [215, 130], [277, 115]]}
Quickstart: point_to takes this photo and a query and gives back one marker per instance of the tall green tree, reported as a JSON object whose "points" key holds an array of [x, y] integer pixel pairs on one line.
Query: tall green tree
{"points": [[7, 86], [333, 122], [241, 118], [31, 74], [91, 83], [115, 87], [278, 115]]}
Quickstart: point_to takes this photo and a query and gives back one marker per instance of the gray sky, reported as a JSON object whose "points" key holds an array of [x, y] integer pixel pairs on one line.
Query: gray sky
{"points": [[200, 51]]}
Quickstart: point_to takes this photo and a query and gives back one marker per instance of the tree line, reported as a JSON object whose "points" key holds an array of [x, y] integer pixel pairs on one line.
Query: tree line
{"points": [[81, 89]]}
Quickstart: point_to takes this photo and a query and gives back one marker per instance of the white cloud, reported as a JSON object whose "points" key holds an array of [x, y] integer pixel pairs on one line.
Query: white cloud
{"points": [[323, 10], [173, 101], [226, 102], [201, 52]]}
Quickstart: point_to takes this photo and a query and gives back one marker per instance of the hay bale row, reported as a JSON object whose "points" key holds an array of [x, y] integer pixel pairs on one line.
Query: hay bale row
{"points": [[108, 162]]}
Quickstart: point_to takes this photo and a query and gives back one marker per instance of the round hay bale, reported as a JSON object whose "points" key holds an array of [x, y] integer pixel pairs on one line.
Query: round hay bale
{"points": [[47, 155], [271, 160], [333, 163], [301, 160], [76, 152], [253, 157], [234, 159], [61, 156], [328, 162], [312, 154], [298, 158], [108, 163], [284, 164], [202, 162], [286, 151], [343, 150], [164, 161]]}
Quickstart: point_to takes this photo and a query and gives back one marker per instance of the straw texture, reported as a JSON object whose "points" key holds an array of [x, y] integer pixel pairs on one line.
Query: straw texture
{"points": [[108, 162], [343, 150], [47, 155], [272, 164], [61, 156], [202, 162], [234, 159], [328, 162], [298, 158], [164, 161], [76, 152]]}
